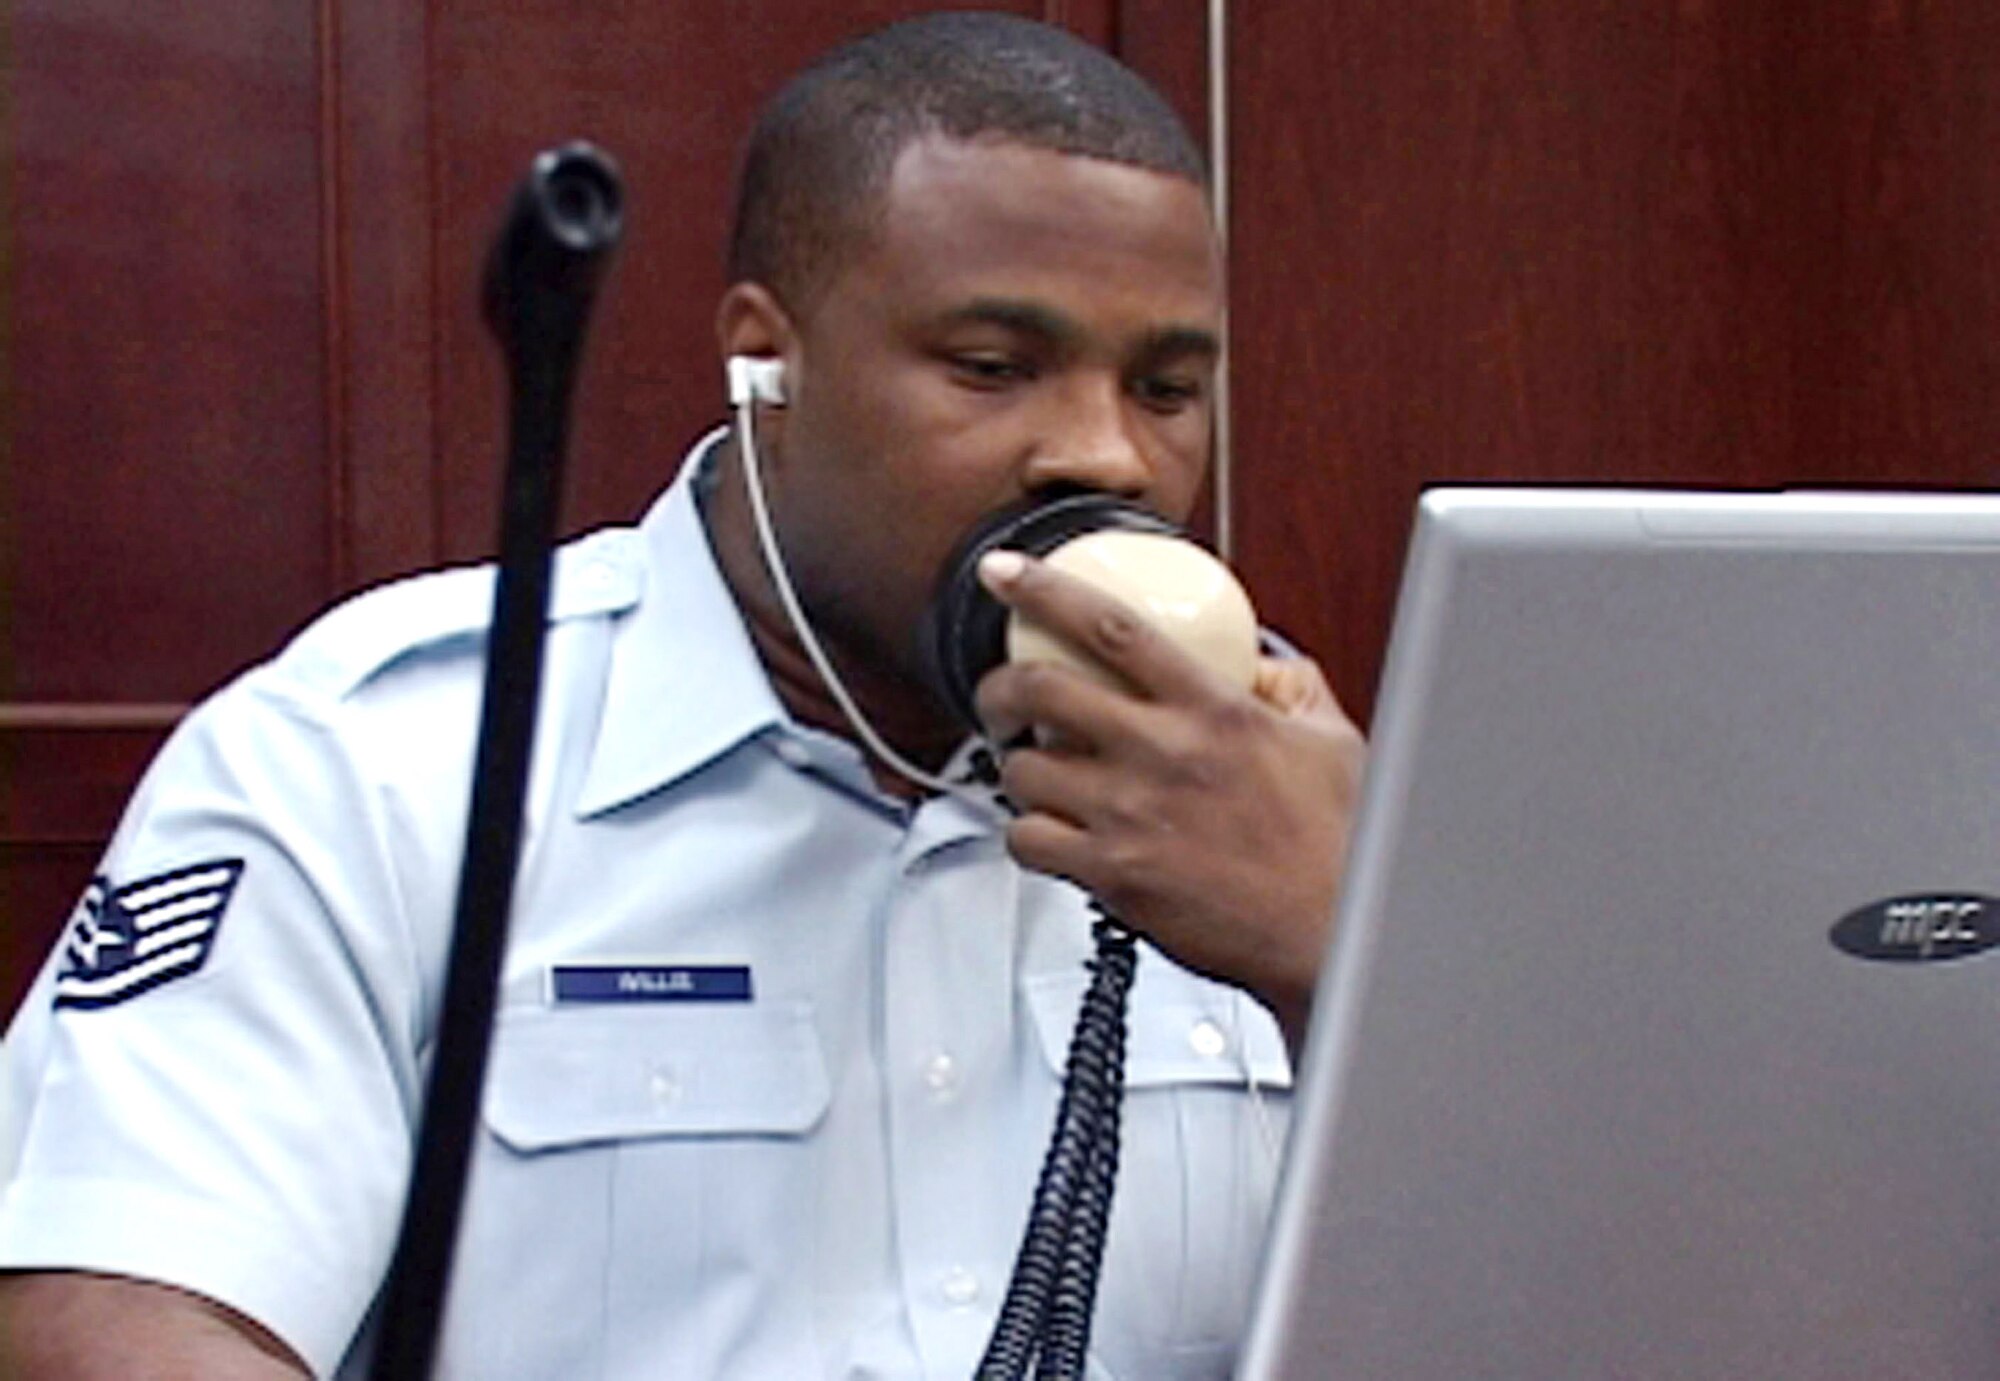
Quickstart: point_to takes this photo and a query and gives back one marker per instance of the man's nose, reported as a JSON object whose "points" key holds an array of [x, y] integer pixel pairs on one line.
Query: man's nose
{"points": [[1093, 441]]}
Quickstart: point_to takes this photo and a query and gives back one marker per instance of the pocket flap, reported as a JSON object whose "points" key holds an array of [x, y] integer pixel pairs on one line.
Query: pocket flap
{"points": [[570, 1076], [1180, 1029]]}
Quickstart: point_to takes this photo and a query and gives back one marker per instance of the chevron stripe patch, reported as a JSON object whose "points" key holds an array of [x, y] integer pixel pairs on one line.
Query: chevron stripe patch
{"points": [[128, 940]]}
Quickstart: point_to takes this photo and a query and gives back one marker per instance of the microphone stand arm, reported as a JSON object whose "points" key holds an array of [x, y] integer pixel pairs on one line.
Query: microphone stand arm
{"points": [[541, 282]]}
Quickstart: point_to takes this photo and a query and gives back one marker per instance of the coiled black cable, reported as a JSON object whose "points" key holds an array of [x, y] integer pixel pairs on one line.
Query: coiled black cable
{"points": [[1045, 1319], [1046, 1316], [1066, 1330]]}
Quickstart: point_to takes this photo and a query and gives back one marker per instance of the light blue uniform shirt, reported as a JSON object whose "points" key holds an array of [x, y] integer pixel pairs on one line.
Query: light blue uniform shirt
{"points": [[776, 1059]]}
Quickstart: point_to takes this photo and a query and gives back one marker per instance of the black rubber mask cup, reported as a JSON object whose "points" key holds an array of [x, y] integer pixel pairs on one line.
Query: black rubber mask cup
{"points": [[965, 634]]}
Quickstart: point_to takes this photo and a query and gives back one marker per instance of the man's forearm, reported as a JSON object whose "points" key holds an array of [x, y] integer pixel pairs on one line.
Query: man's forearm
{"points": [[77, 1326]]}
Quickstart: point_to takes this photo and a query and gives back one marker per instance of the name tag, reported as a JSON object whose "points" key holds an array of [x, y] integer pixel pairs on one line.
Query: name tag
{"points": [[650, 982]]}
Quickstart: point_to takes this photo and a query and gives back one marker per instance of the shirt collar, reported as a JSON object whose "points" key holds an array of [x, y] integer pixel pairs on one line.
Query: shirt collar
{"points": [[686, 685], [685, 682]]}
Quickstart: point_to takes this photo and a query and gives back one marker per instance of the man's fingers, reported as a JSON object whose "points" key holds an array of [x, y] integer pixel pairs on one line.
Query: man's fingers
{"points": [[1050, 845], [1101, 627], [1055, 699], [1056, 781], [1296, 687]]}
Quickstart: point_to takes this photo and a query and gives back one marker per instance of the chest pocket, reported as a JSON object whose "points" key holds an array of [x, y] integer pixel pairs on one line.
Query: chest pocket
{"points": [[572, 1077], [645, 1165], [1197, 1167]]}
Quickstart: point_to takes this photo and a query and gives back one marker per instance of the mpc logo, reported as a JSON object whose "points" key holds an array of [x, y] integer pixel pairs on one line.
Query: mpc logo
{"points": [[1920, 929]]}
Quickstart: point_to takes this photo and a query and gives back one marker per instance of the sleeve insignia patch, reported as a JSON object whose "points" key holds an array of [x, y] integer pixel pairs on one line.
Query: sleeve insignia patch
{"points": [[127, 940]]}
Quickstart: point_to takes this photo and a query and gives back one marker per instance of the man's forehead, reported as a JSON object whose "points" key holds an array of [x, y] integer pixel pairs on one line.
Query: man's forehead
{"points": [[995, 218], [935, 170]]}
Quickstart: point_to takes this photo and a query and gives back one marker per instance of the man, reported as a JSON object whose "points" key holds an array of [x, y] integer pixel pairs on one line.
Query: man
{"points": [[980, 253]]}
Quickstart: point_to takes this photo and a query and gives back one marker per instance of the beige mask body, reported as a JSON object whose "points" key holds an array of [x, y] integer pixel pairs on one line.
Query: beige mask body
{"points": [[1181, 589]]}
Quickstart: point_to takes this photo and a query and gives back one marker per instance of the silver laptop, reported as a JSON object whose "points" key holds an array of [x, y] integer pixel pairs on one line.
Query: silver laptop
{"points": [[1661, 1035]]}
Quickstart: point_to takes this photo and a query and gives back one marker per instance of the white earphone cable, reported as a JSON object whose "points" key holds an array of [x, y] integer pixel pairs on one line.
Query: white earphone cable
{"points": [[1267, 1136], [774, 562]]}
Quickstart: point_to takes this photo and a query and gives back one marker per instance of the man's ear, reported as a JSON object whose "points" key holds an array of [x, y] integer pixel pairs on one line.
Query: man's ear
{"points": [[751, 322]]}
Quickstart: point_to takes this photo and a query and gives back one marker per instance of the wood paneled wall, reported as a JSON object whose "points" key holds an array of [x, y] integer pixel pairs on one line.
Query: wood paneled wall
{"points": [[164, 466], [1501, 239], [1688, 243]]}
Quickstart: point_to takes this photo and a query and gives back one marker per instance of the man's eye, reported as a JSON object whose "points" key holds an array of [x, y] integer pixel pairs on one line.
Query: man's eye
{"points": [[990, 371], [1165, 393]]}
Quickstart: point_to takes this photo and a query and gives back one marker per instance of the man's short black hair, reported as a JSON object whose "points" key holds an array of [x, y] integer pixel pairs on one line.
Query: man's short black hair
{"points": [[818, 159]]}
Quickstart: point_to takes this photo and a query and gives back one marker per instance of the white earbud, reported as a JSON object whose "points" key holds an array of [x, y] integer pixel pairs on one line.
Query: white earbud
{"points": [[755, 380]]}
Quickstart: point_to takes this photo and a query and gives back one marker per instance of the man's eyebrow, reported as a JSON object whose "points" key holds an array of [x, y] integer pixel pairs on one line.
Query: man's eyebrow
{"points": [[1037, 319], [1174, 342], [1029, 318]]}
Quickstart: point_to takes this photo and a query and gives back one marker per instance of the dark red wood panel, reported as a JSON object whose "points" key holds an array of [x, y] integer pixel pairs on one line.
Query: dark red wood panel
{"points": [[1893, 116], [66, 782], [378, 250], [1166, 41], [42, 881], [164, 480], [1491, 242], [1689, 243], [62, 789], [164, 511]]}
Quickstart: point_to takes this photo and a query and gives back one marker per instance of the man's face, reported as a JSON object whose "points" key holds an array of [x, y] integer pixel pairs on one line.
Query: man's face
{"points": [[1021, 319]]}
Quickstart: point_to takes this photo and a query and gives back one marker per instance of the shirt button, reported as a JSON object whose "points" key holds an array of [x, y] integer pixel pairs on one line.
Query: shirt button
{"points": [[959, 1287], [941, 1076], [1208, 1040], [664, 1087], [791, 751]]}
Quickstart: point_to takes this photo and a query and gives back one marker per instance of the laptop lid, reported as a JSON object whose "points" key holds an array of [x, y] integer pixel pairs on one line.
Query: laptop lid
{"points": [[1659, 1036]]}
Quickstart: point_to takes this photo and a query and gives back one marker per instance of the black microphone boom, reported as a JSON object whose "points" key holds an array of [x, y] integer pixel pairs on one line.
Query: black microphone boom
{"points": [[541, 282]]}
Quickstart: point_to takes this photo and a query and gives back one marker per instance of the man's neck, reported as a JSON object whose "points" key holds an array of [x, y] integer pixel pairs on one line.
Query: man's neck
{"points": [[906, 717]]}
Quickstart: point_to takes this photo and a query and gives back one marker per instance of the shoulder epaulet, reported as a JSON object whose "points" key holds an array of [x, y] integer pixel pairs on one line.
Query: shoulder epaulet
{"points": [[600, 573]]}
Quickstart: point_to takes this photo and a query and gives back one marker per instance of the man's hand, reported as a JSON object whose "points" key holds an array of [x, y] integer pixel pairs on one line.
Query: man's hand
{"points": [[1210, 819]]}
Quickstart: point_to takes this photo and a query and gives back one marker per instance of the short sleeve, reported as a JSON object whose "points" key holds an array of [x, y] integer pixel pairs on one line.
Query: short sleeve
{"points": [[212, 1083]]}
